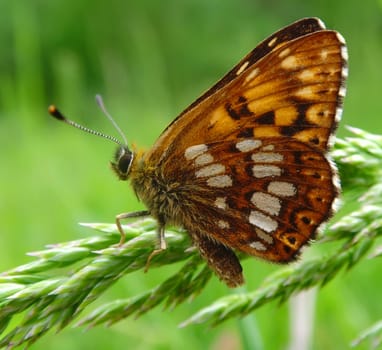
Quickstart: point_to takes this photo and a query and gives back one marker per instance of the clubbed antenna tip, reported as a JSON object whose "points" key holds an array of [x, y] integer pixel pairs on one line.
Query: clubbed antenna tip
{"points": [[54, 112]]}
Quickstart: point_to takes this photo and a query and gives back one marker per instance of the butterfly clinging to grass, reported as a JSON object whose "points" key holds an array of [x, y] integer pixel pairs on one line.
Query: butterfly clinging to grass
{"points": [[245, 167]]}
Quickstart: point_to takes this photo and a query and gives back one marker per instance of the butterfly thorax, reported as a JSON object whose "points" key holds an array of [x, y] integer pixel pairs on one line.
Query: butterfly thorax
{"points": [[161, 195], [158, 193]]}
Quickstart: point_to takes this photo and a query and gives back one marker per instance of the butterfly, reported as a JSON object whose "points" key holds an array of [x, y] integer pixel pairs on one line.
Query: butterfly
{"points": [[245, 167]]}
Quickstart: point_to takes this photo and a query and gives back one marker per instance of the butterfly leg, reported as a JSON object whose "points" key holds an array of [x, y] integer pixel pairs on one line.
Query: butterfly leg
{"points": [[162, 243], [123, 216], [220, 258]]}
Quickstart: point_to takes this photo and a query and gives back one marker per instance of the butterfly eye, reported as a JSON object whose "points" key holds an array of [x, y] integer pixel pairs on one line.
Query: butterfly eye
{"points": [[122, 161]]}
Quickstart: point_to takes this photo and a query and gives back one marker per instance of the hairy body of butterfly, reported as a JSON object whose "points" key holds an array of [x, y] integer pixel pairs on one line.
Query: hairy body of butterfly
{"points": [[245, 166]]}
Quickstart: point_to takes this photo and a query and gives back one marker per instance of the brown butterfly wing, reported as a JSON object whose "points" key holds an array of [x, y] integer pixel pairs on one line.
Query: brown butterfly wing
{"points": [[266, 200]]}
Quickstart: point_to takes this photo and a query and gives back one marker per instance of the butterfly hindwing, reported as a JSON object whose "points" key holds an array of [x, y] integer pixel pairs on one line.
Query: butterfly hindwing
{"points": [[266, 197]]}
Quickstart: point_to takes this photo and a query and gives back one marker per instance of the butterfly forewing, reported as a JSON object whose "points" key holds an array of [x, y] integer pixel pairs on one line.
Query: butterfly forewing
{"points": [[294, 91]]}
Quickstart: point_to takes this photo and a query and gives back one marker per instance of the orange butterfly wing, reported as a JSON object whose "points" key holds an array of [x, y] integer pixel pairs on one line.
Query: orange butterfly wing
{"points": [[259, 82]]}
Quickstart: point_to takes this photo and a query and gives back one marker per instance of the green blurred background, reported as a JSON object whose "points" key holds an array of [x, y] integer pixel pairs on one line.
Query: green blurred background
{"points": [[149, 60]]}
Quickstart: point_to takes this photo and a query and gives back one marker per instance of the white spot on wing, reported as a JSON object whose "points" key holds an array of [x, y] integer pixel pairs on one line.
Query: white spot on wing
{"points": [[204, 159], [261, 171], [344, 72], [344, 50], [284, 53], [289, 62], [267, 157], [338, 114], [223, 224], [306, 92], [258, 246], [306, 75], [340, 38], [281, 188], [248, 145], [320, 23], [262, 221], [268, 148], [194, 151], [210, 170], [324, 54], [342, 91], [242, 67], [266, 202], [220, 181], [264, 236], [220, 202], [252, 74], [272, 42]]}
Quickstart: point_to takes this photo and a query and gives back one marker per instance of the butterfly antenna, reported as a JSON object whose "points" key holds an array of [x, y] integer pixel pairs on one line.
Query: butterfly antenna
{"points": [[54, 112], [108, 115]]}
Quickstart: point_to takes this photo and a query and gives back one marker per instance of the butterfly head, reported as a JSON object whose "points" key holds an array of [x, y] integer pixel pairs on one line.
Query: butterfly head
{"points": [[123, 159]]}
